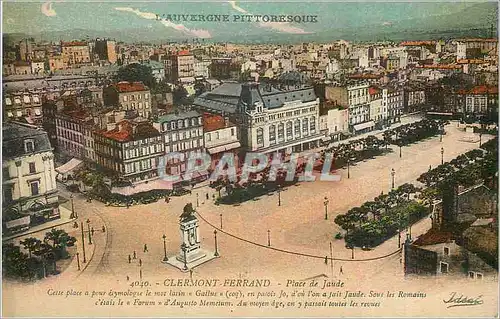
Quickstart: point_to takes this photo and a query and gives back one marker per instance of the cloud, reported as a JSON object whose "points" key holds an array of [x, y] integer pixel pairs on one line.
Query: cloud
{"points": [[284, 27], [387, 23], [205, 34], [47, 9]]}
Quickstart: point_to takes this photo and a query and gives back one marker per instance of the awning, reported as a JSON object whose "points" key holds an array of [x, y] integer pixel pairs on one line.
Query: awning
{"points": [[362, 126], [187, 79], [223, 148], [69, 166]]}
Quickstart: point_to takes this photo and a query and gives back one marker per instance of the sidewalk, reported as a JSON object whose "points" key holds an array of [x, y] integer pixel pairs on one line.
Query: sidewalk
{"points": [[65, 219]]}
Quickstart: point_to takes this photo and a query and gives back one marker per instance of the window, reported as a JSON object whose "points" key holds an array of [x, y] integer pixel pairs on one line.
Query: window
{"points": [[125, 98], [281, 131], [209, 138], [312, 125], [34, 188], [7, 193], [186, 123], [444, 267], [305, 125], [179, 123], [193, 122], [29, 146], [32, 167], [260, 136], [5, 173], [217, 136], [297, 127], [272, 134], [232, 131], [446, 251], [289, 133]]}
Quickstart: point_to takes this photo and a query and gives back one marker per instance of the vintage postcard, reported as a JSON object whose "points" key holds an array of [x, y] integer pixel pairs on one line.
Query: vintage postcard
{"points": [[250, 159]]}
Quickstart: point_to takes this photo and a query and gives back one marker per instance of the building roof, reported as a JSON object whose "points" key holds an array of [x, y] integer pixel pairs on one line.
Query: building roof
{"points": [[126, 87], [184, 52], [480, 89], [13, 137], [373, 90], [433, 237], [127, 130], [417, 43], [477, 40], [178, 116], [213, 122]]}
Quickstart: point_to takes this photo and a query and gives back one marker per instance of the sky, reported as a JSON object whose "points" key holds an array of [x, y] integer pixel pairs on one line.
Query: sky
{"points": [[32, 18]]}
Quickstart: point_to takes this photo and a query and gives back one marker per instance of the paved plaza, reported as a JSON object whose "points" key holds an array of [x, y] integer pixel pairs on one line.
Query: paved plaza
{"points": [[298, 225]]}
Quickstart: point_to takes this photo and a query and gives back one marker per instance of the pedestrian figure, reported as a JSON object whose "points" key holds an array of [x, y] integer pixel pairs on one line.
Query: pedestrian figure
{"points": [[213, 196], [128, 278], [129, 259], [166, 199], [341, 271], [75, 225], [326, 260], [191, 273], [208, 197], [145, 248], [103, 229], [140, 262], [92, 231], [90, 199], [135, 256]]}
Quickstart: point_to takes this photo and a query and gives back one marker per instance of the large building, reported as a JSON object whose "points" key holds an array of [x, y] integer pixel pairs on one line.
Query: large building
{"points": [[29, 194], [220, 136], [181, 67], [75, 52], [73, 127], [271, 120], [356, 98], [105, 50], [182, 133], [129, 96], [23, 105], [130, 150]]}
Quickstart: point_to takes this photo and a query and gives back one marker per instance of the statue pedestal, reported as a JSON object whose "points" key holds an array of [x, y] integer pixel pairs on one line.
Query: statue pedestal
{"points": [[191, 254], [201, 257]]}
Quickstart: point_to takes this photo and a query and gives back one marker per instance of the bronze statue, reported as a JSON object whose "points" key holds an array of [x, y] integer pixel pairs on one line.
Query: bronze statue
{"points": [[188, 212]]}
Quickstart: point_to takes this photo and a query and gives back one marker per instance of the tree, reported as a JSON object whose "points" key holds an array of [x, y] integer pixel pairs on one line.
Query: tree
{"points": [[136, 72], [31, 244], [60, 240], [180, 96]]}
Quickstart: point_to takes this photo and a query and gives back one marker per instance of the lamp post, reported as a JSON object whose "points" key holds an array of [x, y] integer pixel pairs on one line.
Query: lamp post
{"points": [[393, 173], [197, 200], [352, 252], [90, 236], [399, 238], [441, 128], [279, 195], [348, 171], [400, 147], [78, 260], [442, 156], [83, 242], [269, 238], [165, 259], [325, 202], [220, 221], [73, 215], [216, 254], [480, 137], [184, 248]]}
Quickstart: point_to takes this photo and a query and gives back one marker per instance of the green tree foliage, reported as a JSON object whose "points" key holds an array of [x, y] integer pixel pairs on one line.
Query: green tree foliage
{"points": [[136, 72]]}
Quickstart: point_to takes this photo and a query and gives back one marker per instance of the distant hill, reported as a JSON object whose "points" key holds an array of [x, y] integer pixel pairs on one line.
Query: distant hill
{"points": [[478, 22]]}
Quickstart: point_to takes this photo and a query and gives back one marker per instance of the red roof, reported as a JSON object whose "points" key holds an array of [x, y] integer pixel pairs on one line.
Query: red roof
{"points": [[212, 122], [124, 131], [417, 43], [480, 89], [433, 237], [373, 90], [184, 52], [123, 87], [365, 76]]}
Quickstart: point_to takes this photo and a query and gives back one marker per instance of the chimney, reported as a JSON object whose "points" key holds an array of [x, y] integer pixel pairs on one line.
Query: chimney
{"points": [[226, 121]]}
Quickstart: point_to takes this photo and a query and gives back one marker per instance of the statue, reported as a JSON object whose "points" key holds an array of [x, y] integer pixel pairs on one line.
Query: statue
{"points": [[188, 212]]}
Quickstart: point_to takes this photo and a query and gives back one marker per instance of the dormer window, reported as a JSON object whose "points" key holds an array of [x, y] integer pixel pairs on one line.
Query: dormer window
{"points": [[29, 146], [8, 101]]}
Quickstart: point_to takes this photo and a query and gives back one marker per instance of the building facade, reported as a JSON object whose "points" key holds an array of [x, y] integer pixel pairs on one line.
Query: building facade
{"points": [[129, 96], [29, 194]]}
